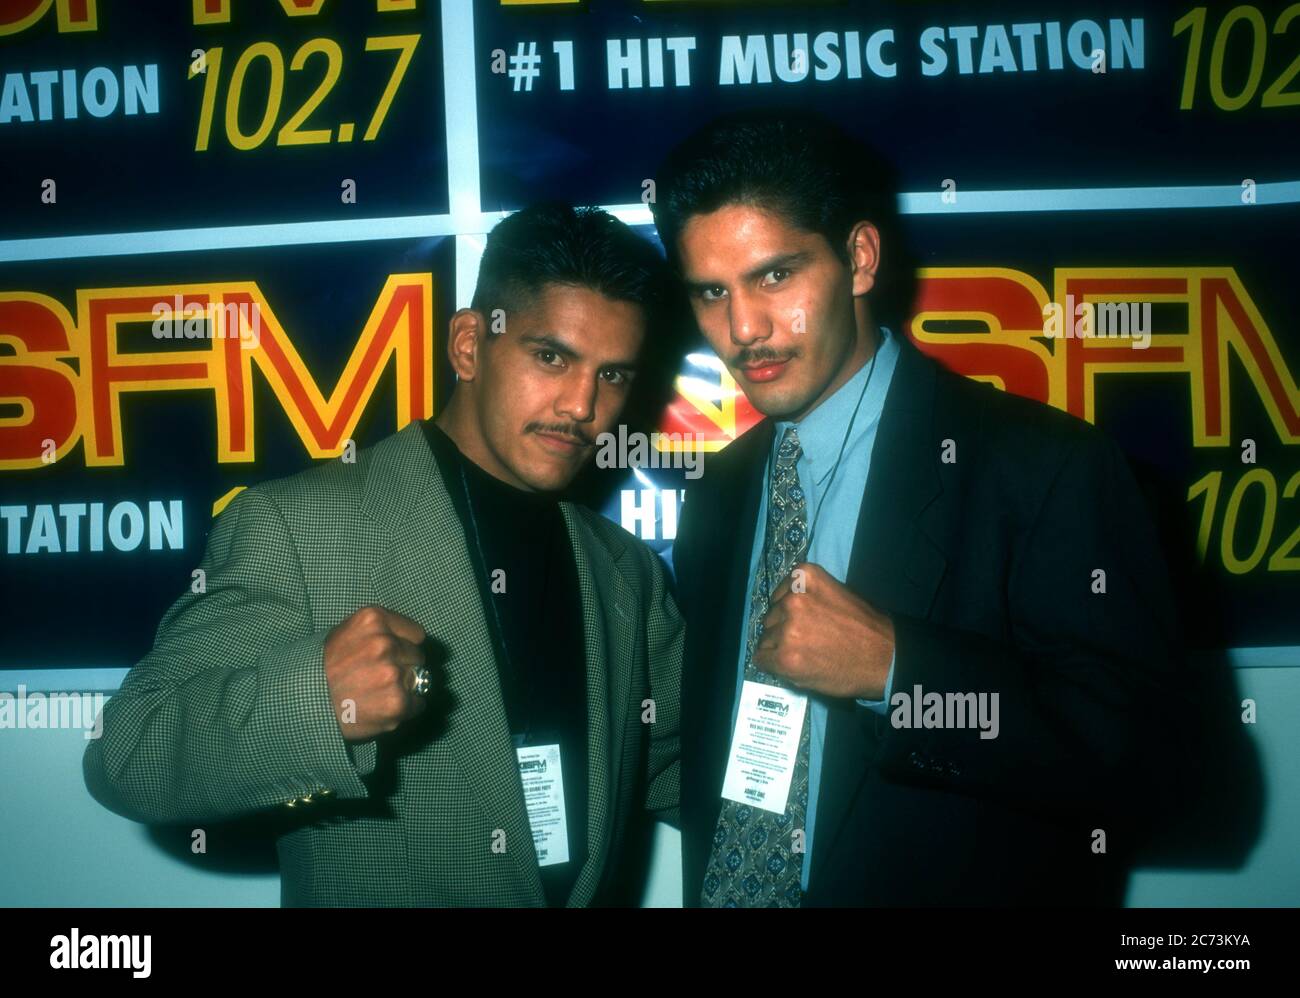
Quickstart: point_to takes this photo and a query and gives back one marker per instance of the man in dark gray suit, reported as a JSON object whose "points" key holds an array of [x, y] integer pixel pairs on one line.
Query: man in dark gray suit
{"points": [[929, 631]]}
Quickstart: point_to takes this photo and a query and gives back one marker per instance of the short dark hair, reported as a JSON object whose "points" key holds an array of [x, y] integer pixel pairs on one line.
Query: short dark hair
{"points": [[555, 243], [799, 166]]}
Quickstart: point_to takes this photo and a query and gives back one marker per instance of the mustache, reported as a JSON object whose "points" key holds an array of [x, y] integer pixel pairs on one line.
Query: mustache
{"points": [[571, 430], [754, 356]]}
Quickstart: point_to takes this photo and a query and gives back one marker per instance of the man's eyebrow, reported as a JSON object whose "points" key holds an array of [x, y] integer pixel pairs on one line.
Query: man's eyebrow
{"points": [[551, 343], [695, 287], [564, 350], [779, 262]]}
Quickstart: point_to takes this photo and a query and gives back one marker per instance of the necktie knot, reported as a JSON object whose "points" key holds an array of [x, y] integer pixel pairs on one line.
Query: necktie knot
{"points": [[789, 450]]}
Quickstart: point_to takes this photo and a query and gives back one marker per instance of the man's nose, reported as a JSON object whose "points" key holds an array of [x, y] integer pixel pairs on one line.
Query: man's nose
{"points": [[749, 322], [577, 402]]}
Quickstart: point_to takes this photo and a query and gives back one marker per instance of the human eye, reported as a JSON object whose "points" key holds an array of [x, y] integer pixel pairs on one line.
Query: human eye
{"points": [[713, 293], [614, 376], [550, 358], [776, 276]]}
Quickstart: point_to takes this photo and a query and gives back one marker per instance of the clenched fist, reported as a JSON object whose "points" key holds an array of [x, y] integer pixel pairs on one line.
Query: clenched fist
{"points": [[822, 636], [370, 659]]}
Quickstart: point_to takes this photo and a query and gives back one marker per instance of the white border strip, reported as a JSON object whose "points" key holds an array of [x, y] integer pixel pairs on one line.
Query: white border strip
{"points": [[467, 219], [460, 95]]}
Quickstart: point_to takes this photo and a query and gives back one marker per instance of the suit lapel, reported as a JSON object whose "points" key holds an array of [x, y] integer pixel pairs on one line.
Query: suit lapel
{"points": [[608, 618], [424, 542], [421, 574], [893, 565]]}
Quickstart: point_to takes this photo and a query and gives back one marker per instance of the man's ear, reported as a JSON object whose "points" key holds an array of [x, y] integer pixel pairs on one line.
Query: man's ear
{"points": [[864, 256], [464, 337]]}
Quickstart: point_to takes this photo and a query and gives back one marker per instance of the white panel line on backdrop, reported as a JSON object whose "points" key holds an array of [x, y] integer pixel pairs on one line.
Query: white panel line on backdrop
{"points": [[467, 223], [460, 96]]}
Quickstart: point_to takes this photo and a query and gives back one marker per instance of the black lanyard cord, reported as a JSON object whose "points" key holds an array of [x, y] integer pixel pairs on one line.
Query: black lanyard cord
{"points": [[825, 492], [499, 631]]}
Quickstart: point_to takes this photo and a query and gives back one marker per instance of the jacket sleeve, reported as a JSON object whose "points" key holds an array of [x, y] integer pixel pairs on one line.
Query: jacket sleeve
{"points": [[230, 711], [666, 641], [1085, 679]]}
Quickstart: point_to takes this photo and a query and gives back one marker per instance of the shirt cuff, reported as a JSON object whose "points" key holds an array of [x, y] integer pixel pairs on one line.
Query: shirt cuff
{"points": [[882, 706]]}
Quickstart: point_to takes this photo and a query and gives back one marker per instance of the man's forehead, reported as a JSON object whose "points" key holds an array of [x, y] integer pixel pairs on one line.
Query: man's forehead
{"points": [[737, 217], [740, 240], [583, 322], [556, 300]]}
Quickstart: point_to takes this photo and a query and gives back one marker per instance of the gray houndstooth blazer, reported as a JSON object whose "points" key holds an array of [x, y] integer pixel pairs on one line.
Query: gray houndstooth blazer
{"points": [[230, 713]]}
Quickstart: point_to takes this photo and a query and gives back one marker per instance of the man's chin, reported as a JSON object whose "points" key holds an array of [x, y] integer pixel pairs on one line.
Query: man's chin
{"points": [[775, 401], [551, 479]]}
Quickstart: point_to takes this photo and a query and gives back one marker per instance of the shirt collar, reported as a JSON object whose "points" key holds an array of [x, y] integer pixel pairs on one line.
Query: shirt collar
{"points": [[821, 432]]}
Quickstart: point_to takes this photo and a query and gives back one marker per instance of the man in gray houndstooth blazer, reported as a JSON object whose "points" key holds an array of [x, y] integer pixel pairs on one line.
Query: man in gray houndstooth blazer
{"points": [[349, 666]]}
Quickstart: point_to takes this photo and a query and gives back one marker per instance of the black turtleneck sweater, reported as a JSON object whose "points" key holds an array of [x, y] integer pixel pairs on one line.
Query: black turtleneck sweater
{"points": [[536, 626]]}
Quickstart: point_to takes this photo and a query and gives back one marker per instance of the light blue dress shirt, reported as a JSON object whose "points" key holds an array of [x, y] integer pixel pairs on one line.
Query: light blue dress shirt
{"points": [[821, 434]]}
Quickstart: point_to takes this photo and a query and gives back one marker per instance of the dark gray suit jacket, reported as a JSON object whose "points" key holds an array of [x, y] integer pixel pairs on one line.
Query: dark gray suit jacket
{"points": [[987, 567]]}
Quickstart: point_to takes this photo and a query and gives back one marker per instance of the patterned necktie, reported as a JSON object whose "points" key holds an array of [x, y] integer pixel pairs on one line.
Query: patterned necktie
{"points": [[754, 863]]}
